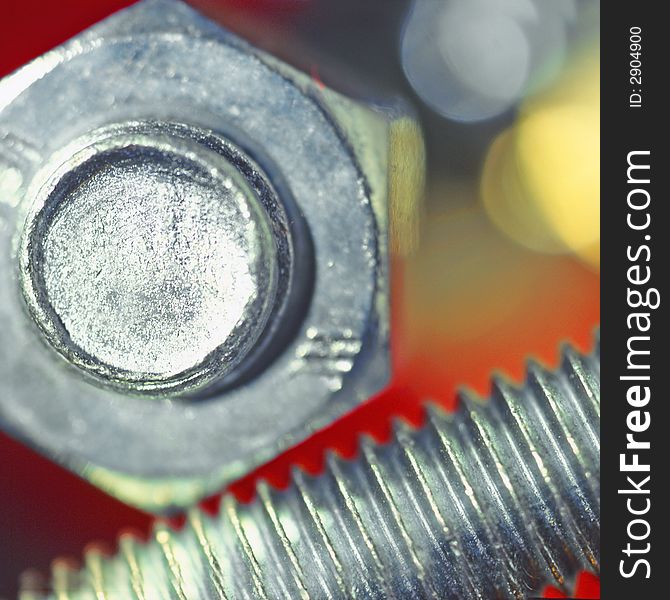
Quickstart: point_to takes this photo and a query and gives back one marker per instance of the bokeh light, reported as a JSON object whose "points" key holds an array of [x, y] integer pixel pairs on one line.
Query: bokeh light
{"points": [[474, 59], [541, 179]]}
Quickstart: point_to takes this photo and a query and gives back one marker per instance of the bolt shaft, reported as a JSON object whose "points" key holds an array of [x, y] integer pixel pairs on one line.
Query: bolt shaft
{"points": [[494, 501]]}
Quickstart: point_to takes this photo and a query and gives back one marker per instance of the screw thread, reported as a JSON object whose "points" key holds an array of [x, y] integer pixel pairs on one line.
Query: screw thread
{"points": [[494, 501]]}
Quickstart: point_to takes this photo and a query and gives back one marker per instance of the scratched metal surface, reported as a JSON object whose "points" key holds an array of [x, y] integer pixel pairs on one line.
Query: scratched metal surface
{"points": [[144, 257]]}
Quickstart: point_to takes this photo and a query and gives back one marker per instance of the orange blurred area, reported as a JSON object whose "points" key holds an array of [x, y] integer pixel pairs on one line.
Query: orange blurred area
{"points": [[475, 301]]}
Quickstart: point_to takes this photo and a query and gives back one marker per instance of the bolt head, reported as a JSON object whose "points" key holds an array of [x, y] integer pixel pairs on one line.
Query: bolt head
{"points": [[147, 259]]}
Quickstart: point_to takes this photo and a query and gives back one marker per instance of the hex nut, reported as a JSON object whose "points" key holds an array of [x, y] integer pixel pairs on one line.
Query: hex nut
{"points": [[194, 253]]}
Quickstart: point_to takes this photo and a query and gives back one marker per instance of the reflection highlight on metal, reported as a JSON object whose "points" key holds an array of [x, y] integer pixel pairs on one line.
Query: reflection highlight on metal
{"points": [[496, 500], [148, 253]]}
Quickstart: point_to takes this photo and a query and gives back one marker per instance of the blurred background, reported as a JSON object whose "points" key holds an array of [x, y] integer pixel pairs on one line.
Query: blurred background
{"points": [[508, 261]]}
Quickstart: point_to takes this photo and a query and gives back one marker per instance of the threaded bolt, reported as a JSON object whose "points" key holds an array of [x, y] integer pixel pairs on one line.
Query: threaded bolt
{"points": [[494, 501]]}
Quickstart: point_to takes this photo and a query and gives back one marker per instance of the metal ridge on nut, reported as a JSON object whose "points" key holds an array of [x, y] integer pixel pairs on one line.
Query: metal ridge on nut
{"points": [[194, 253]]}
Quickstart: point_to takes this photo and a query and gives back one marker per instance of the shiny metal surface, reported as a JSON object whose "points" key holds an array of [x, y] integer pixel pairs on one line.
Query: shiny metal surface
{"points": [[194, 243], [494, 501], [146, 255]]}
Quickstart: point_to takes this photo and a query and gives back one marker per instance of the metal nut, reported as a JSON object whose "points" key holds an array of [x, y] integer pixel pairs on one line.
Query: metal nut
{"points": [[194, 250]]}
